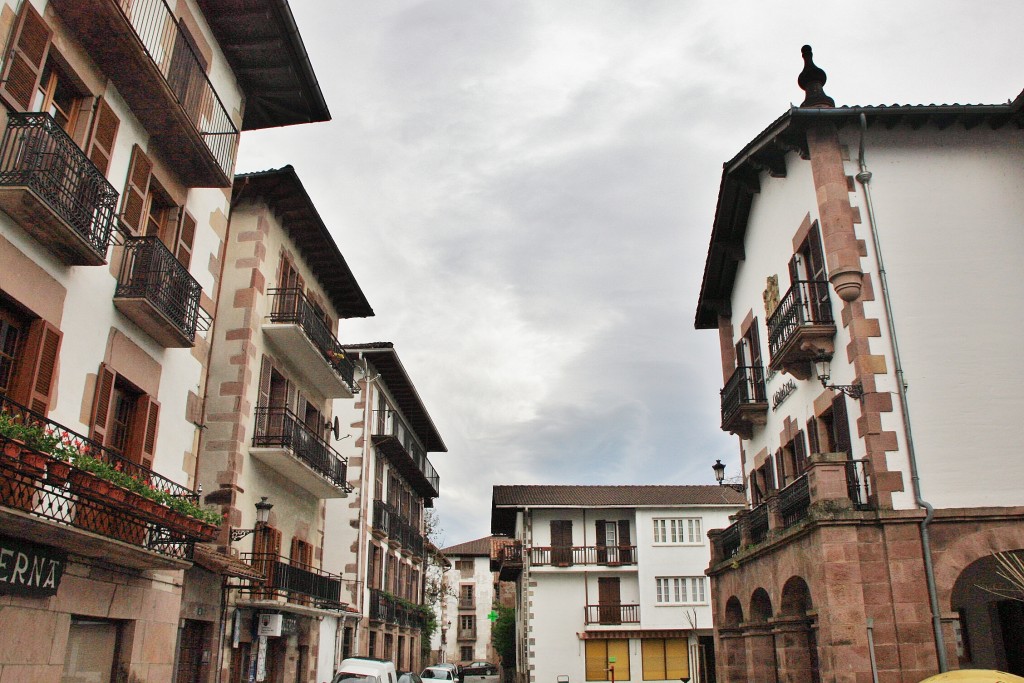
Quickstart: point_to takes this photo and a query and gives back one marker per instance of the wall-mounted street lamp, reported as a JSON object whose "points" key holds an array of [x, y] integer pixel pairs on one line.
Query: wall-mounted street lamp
{"points": [[719, 469], [823, 370], [262, 515]]}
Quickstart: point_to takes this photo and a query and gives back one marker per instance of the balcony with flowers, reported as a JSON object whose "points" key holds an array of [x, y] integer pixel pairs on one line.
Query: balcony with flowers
{"points": [[83, 498]]}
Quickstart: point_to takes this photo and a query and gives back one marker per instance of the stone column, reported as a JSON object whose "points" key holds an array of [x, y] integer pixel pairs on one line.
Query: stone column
{"points": [[793, 649], [731, 658], [761, 664], [826, 479]]}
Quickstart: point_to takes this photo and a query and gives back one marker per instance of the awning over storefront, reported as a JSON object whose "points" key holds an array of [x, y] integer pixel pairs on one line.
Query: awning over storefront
{"points": [[635, 633], [207, 557]]}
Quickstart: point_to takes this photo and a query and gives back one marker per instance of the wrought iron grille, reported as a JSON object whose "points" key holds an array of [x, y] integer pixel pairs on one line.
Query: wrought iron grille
{"points": [[794, 501], [858, 484], [161, 36], [564, 556], [806, 303], [730, 540], [382, 516], [73, 442], [296, 581], [290, 306], [383, 607], [150, 271], [757, 523], [281, 428], [612, 614], [746, 386], [38, 154]]}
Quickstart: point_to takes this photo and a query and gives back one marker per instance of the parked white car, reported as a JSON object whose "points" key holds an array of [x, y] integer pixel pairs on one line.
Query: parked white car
{"points": [[366, 670]]}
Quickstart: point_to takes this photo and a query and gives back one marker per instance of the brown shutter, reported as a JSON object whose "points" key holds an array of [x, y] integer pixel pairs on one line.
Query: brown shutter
{"points": [[133, 208], [816, 267], [186, 236], [143, 431], [625, 543], [37, 369], [101, 403], [794, 271], [104, 131], [26, 59], [799, 454], [812, 435], [840, 426]]}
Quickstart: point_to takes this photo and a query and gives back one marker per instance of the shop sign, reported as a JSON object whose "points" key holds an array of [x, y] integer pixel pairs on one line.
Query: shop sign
{"points": [[30, 569]]}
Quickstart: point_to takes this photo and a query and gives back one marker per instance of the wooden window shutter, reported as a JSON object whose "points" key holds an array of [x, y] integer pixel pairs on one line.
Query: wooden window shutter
{"points": [[101, 139], [624, 532], [143, 431], [26, 59], [816, 267], [599, 532], [37, 369], [812, 436], [133, 207], [101, 404], [794, 271], [799, 454], [841, 426], [264, 392], [186, 236]]}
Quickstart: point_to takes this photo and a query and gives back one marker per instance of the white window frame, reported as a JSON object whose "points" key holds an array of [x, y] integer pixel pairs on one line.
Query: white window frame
{"points": [[680, 590], [678, 531]]}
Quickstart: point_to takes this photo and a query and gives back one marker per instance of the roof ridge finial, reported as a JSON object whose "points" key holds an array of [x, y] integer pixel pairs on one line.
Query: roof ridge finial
{"points": [[812, 81]]}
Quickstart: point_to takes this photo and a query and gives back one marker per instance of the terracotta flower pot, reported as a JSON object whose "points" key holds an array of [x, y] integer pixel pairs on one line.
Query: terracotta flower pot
{"points": [[57, 472], [32, 464]]}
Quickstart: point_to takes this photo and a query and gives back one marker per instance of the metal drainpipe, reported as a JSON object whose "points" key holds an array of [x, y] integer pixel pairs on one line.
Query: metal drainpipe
{"points": [[871, 650], [864, 178]]}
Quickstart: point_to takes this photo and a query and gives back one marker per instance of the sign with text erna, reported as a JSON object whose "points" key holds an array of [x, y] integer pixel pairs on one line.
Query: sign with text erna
{"points": [[29, 569]]}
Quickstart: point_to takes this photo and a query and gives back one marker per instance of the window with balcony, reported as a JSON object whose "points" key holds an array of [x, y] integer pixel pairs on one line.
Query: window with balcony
{"points": [[613, 542], [678, 531], [762, 481], [792, 460], [744, 397], [467, 626], [466, 596], [680, 590], [124, 417], [801, 326]]}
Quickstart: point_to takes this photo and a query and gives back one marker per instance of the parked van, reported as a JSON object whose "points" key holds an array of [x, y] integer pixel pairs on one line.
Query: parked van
{"points": [[366, 670]]}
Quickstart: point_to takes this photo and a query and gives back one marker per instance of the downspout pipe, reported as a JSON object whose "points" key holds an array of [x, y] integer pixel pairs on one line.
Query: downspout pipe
{"points": [[864, 178]]}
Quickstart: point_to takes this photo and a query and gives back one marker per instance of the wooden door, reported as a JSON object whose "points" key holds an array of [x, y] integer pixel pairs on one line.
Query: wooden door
{"points": [[561, 542], [609, 601]]}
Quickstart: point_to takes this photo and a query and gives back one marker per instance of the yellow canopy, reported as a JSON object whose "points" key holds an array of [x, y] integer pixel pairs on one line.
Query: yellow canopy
{"points": [[974, 676]]}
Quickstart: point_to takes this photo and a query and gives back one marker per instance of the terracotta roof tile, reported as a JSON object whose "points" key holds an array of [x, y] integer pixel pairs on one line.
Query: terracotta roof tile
{"points": [[625, 496], [479, 547]]}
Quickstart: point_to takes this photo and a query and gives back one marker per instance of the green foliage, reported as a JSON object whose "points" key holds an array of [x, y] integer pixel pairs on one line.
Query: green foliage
{"points": [[503, 636]]}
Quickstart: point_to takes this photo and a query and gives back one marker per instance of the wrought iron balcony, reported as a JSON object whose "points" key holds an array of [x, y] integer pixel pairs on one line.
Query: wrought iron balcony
{"points": [[141, 46], [383, 607], [757, 523], [467, 602], [858, 484], [48, 491], [466, 634], [744, 401], [730, 540], [299, 332], [291, 581], [565, 556], [54, 191], [612, 614], [507, 560], [157, 293], [794, 501], [384, 516], [286, 444], [395, 439], [801, 328]]}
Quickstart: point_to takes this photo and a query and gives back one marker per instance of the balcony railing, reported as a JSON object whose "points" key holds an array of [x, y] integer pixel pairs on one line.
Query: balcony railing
{"points": [[565, 556], [801, 327], [744, 401], [794, 500], [291, 307], [612, 614], [392, 525], [757, 522], [54, 190], [466, 634], [294, 582], [467, 603], [393, 435], [51, 495], [731, 540], [507, 560], [383, 517], [858, 484], [383, 607], [145, 50], [157, 292], [280, 428]]}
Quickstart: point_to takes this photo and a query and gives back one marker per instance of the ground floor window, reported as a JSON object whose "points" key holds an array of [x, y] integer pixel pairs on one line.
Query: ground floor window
{"points": [[664, 658], [602, 655], [466, 653], [91, 650]]}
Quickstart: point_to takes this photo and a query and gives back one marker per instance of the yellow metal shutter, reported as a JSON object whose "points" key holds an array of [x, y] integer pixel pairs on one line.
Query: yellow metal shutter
{"points": [[653, 657], [676, 660], [620, 650], [597, 660]]}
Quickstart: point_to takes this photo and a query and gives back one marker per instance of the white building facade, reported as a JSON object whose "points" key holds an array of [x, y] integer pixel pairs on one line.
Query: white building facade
{"points": [[872, 429], [470, 596], [611, 577]]}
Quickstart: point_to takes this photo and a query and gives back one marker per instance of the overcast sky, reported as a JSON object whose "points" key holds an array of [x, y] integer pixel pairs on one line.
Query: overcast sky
{"points": [[525, 189]]}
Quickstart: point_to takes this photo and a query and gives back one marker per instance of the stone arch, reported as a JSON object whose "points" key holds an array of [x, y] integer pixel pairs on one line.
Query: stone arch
{"points": [[760, 606], [953, 558], [991, 615], [733, 612], [796, 597]]}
